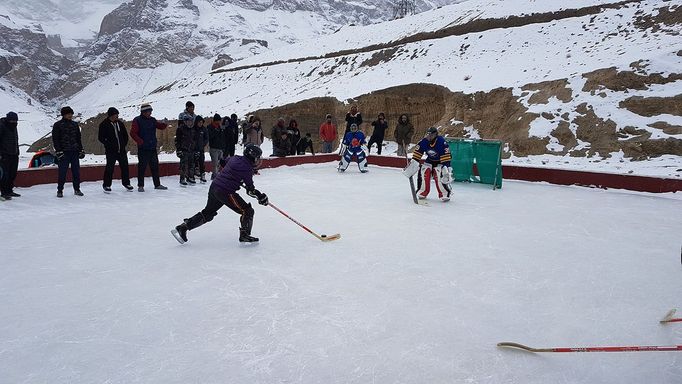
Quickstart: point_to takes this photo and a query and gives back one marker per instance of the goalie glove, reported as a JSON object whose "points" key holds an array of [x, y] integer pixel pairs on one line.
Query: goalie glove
{"points": [[445, 174], [364, 148], [411, 169]]}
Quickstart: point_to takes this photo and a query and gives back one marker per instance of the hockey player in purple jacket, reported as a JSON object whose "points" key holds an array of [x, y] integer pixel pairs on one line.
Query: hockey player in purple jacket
{"points": [[356, 146], [436, 165], [237, 172]]}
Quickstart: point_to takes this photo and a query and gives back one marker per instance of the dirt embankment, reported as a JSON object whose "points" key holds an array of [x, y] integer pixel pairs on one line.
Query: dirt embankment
{"points": [[496, 114]]}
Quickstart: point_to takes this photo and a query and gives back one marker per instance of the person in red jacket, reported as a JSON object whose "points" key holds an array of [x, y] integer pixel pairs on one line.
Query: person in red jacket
{"points": [[143, 131], [328, 134]]}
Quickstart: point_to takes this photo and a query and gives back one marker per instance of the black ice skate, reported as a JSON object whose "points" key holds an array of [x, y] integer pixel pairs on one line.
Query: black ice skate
{"points": [[180, 233], [246, 238]]}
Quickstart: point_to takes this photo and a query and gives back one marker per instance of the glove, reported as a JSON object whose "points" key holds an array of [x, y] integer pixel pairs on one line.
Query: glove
{"points": [[365, 149], [59, 155], [445, 174], [254, 193], [81, 155], [411, 169], [179, 154], [263, 199]]}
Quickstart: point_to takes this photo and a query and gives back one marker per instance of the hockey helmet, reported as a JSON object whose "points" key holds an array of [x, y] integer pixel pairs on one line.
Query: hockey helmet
{"points": [[432, 130], [354, 127], [253, 153]]}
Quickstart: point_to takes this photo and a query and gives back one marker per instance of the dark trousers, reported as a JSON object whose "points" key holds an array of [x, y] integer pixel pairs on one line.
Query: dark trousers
{"points": [[187, 165], [200, 163], [70, 159], [151, 158], [378, 140], [216, 200], [229, 149], [112, 158], [9, 164]]}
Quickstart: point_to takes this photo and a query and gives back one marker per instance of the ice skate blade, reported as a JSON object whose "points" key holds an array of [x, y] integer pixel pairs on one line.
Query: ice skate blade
{"points": [[175, 234]]}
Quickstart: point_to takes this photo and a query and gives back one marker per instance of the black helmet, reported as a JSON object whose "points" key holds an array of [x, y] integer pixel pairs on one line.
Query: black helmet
{"points": [[432, 130], [253, 153]]}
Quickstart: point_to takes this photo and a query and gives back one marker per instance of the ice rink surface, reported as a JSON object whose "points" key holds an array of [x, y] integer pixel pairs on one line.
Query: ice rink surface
{"points": [[96, 290]]}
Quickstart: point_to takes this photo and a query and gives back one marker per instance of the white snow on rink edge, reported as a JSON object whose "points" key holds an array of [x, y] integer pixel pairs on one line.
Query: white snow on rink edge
{"points": [[95, 289]]}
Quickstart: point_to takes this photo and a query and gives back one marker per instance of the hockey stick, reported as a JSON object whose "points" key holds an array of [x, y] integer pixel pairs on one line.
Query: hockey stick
{"points": [[412, 188], [669, 317], [319, 237], [633, 348]]}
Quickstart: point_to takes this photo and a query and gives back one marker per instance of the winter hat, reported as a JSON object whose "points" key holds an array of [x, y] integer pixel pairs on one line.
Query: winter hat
{"points": [[145, 107], [12, 117], [66, 110], [329, 116], [189, 104], [217, 117], [112, 111], [233, 116], [198, 119]]}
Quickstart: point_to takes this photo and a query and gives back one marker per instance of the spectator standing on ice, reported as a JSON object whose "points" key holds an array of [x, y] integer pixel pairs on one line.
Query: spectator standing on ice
{"points": [[231, 129], [354, 142], [143, 131], [403, 134], [237, 172], [216, 143], [328, 134], [66, 137], [9, 155], [184, 149], [436, 166], [200, 143], [114, 136], [380, 125], [353, 117]]}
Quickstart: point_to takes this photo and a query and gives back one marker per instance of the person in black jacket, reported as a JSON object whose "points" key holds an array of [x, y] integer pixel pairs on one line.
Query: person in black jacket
{"points": [[304, 143], [66, 137], [294, 136], [231, 126], [184, 149], [200, 143], [216, 143], [353, 117], [113, 135], [380, 126], [9, 155]]}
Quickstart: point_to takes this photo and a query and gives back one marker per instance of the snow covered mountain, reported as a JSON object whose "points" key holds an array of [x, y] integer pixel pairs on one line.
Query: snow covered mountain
{"points": [[597, 82]]}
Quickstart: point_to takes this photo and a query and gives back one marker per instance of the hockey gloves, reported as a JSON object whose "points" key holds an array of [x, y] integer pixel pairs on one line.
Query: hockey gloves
{"points": [[411, 169], [262, 197], [445, 174]]}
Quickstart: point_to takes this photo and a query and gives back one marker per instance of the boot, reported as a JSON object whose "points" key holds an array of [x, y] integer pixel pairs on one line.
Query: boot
{"points": [[191, 180], [245, 237], [182, 181], [180, 233], [202, 178]]}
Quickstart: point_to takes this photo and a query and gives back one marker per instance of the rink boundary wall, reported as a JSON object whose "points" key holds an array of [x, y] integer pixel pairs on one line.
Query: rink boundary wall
{"points": [[48, 175]]}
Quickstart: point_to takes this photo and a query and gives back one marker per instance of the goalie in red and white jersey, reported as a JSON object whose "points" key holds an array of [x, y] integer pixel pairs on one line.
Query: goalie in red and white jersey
{"points": [[436, 166]]}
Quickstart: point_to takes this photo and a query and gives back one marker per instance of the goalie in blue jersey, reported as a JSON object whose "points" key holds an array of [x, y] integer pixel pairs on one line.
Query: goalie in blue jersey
{"points": [[356, 145], [436, 166]]}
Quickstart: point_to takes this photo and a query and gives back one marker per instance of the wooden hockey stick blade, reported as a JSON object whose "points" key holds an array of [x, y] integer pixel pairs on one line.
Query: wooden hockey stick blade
{"points": [[507, 344], [669, 316], [330, 238]]}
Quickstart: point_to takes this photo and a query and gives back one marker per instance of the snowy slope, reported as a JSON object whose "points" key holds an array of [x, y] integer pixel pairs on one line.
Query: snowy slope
{"points": [[547, 266], [566, 48]]}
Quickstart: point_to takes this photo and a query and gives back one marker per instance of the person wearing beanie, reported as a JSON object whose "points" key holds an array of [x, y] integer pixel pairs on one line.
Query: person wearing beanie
{"points": [[143, 131], [216, 143], [66, 138], [9, 155], [380, 126], [328, 134], [231, 134], [200, 143], [113, 135]]}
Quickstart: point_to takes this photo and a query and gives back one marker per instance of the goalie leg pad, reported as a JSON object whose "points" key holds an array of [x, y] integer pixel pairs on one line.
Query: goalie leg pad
{"points": [[425, 187]]}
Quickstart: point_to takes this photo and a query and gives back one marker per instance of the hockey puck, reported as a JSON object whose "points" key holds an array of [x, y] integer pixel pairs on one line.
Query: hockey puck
{"points": [[324, 235]]}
